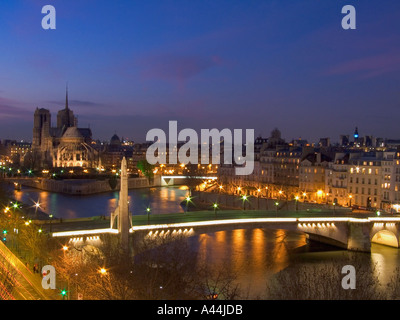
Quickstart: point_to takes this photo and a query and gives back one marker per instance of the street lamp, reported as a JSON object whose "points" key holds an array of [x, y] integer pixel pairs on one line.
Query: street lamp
{"points": [[297, 202], [350, 197], [148, 214], [215, 206], [258, 198], [276, 205], [244, 198], [188, 199], [103, 271], [63, 293], [37, 206]]}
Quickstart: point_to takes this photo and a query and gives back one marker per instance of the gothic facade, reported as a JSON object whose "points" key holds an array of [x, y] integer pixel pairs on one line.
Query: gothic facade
{"points": [[65, 145]]}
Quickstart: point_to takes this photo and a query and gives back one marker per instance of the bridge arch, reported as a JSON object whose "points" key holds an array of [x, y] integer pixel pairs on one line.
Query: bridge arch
{"points": [[385, 237]]}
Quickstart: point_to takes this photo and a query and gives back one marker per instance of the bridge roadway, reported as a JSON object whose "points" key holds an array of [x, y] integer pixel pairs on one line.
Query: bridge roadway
{"points": [[342, 228]]}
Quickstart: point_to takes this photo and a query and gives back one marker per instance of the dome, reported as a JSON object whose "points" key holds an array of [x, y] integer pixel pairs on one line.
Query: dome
{"points": [[115, 140]]}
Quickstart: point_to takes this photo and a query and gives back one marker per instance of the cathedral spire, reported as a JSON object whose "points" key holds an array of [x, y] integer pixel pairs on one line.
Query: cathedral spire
{"points": [[66, 97]]}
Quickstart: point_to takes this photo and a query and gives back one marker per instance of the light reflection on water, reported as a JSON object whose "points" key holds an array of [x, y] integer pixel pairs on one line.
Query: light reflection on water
{"points": [[255, 254], [161, 200], [252, 254]]}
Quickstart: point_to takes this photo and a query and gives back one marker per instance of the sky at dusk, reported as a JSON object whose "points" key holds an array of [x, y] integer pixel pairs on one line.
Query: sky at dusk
{"points": [[134, 65]]}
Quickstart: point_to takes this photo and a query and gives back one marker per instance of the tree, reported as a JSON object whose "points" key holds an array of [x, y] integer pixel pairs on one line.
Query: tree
{"points": [[146, 168], [163, 267], [301, 281]]}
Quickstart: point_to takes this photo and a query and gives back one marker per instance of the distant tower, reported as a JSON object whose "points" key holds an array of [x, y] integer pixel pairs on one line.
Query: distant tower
{"points": [[121, 213], [356, 134]]}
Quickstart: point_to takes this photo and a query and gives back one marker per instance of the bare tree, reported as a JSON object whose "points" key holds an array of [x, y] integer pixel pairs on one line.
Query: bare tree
{"points": [[302, 281]]}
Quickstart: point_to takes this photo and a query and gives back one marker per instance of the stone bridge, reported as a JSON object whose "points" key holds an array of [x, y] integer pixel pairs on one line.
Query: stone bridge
{"points": [[355, 234]]}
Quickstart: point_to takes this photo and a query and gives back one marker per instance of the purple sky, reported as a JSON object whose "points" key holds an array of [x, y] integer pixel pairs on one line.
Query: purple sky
{"points": [[134, 65]]}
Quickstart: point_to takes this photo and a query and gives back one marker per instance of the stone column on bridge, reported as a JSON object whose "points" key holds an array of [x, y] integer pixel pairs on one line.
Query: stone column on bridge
{"points": [[359, 236], [121, 215]]}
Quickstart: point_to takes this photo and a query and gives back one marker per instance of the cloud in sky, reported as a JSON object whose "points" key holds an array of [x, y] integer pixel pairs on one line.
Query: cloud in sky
{"points": [[172, 67], [74, 102], [9, 110], [368, 67]]}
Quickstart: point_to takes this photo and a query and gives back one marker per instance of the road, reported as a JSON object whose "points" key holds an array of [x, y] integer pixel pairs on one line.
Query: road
{"points": [[17, 282]]}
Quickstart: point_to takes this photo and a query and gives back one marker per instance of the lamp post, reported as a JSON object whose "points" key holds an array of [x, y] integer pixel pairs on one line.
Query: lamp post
{"points": [[215, 206], [297, 202], [276, 206], [258, 198], [51, 219], [244, 198], [188, 199], [148, 214], [350, 197]]}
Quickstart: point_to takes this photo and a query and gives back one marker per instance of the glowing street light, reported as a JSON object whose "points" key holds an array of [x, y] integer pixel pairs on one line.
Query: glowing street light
{"points": [[63, 293], [103, 271], [244, 198], [148, 210], [297, 202], [187, 199], [215, 206]]}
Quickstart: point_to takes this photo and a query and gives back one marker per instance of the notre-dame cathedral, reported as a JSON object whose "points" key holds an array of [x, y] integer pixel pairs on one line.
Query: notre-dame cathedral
{"points": [[65, 145]]}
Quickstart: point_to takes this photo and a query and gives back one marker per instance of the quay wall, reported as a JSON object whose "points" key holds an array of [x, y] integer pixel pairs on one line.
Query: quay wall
{"points": [[84, 187]]}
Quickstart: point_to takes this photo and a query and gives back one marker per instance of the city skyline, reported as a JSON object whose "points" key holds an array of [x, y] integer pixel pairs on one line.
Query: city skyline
{"points": [[133, 67]]}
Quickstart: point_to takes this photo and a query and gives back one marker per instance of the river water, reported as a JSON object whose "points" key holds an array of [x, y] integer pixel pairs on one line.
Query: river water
{"points": [[161, 200], [252, 254]]}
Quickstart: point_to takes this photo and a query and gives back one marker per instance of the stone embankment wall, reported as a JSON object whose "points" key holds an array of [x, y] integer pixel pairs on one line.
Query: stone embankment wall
{"points": [[84, 187], [229, 201]]}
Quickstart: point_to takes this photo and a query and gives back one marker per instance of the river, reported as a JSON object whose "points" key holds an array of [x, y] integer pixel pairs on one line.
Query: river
{"points": [[160, 200], [252, 254]]}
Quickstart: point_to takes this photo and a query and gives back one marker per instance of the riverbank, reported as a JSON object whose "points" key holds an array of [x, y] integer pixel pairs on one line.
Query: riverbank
{"points": [[83, 187]]}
